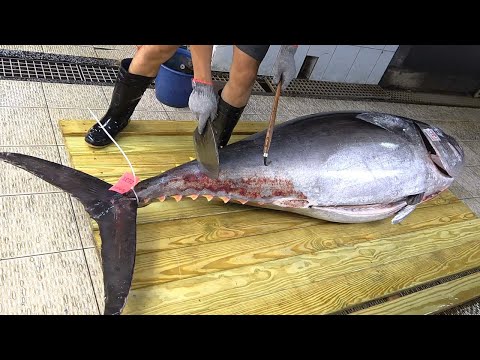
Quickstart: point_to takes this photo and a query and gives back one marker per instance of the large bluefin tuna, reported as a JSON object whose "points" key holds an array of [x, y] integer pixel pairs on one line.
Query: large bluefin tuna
{"points": [[347, 167]]}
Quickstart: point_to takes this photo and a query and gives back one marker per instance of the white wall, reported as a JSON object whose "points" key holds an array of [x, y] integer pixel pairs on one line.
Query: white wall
{"points": [[360, 64]]}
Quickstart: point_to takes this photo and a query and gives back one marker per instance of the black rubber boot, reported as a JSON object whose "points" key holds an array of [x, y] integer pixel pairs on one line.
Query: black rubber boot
{"points": [[128, 91], [225, 121]]}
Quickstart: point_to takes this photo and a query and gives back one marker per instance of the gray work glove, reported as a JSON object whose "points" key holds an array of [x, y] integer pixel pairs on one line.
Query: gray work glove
{"points": [[285, 66], [203, 103]]}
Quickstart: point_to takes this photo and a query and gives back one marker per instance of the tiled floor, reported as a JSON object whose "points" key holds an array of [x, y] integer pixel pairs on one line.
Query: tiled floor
{"points": [[48, 262]]}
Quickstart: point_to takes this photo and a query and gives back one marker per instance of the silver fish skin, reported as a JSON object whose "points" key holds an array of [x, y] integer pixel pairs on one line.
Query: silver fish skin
{"points": [[343, 167]]}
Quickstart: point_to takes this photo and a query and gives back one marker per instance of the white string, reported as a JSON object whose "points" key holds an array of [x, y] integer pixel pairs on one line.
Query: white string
{"points": [[119, 148]]}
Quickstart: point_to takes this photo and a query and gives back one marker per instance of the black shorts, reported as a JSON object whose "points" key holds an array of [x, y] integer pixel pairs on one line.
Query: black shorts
{"points": [[257, 52]]}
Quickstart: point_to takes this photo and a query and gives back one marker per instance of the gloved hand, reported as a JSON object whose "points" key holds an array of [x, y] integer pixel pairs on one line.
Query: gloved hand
{"points": [[203, 102], [285, 65]]}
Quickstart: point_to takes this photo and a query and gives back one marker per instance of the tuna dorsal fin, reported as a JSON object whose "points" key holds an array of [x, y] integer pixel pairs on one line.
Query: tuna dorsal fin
{"points": [[395, 124]]}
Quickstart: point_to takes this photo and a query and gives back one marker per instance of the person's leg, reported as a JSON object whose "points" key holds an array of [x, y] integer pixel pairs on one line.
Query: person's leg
{"points": [[148, 58], [133, 78], [243, 73], [235, 94]]}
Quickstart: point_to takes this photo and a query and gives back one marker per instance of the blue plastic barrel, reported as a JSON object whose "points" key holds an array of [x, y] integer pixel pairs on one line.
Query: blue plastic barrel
{"points": [[173, 84]]}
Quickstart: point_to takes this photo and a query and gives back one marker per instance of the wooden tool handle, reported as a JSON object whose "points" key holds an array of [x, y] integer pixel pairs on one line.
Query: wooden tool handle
{"points": [[268, 137]]}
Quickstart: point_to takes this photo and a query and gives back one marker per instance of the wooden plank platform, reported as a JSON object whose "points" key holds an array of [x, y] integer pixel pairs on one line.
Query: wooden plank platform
{"points": [[199, 257]]}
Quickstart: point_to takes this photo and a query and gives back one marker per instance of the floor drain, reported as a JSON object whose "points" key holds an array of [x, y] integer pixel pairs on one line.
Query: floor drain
{"points": [[409, 291], [264, 84], [325, 89], [433, 99], [54, 71], [45, 70], [222, 77], [98, 74]]}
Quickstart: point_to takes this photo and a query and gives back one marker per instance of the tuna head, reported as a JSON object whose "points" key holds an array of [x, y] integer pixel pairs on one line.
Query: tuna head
{"points": [[443, 149]]}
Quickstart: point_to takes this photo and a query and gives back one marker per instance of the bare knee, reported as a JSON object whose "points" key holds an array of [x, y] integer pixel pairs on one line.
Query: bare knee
{"points": [[240, 83], [243, 74], [157, 52], [148, 58], [243, 77]]}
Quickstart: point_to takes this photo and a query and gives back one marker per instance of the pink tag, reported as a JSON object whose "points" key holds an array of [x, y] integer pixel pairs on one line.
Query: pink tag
{"points": [[431, 134], [125, 183]]}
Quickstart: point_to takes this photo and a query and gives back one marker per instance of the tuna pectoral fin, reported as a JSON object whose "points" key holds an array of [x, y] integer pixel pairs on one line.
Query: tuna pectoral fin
{"points": [[115, 214], [402, 214], [412, 203], [352, 214]]}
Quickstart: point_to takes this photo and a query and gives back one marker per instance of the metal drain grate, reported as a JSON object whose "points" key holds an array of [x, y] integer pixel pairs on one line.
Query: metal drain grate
{"points": [[408, 292], [99, 74], [326, 89], [47, 70], [54, 71], [223, 77], [432, 99]]}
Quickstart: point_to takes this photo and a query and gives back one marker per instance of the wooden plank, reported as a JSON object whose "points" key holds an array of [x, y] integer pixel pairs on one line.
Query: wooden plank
{"points": [[198, 222], [138, 161], [222, 253], [133, 145], [145, 153], [195, 231], [340, 293], [322, 282], [432, 300], [79, 128]]}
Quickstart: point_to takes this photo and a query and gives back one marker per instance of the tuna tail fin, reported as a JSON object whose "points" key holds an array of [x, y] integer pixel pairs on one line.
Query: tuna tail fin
{"points": [[115, 214]]}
